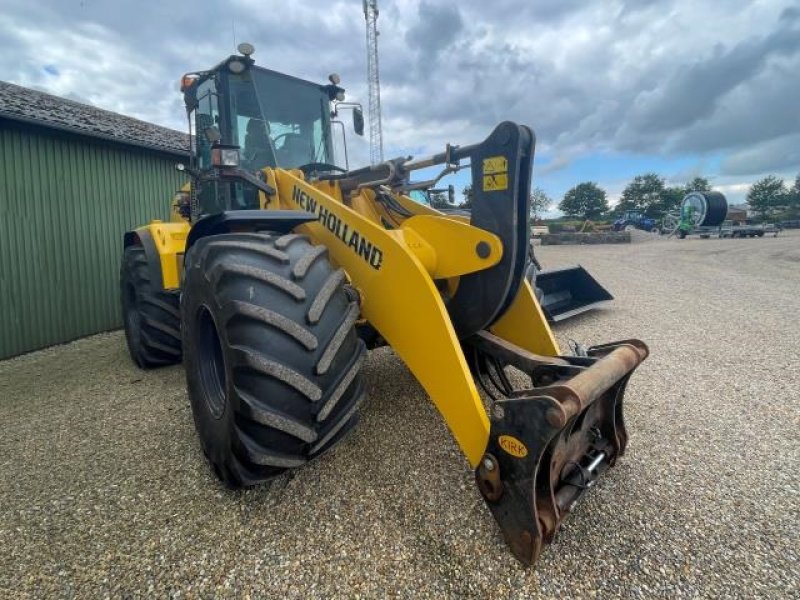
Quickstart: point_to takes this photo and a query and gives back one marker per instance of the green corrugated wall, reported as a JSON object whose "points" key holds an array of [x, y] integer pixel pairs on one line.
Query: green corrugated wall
{"points": [[65, 202]]}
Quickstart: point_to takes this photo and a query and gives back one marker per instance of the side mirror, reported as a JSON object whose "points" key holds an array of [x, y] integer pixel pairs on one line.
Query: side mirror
{"points": [[358, 121]]}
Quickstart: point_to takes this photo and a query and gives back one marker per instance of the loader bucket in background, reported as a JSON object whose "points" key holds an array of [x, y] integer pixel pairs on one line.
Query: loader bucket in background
{"points": [[568, 291]]}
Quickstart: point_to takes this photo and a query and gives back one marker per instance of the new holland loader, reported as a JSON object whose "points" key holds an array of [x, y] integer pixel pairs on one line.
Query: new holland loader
{"points": [[279, 270]]}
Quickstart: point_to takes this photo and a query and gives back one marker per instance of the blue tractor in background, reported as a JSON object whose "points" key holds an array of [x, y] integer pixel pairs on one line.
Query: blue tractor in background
{"points": [[633, 219]]}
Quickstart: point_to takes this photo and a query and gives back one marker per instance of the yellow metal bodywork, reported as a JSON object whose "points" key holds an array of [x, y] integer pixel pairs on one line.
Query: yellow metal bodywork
{"points": [[395, 262], [170, 241], [525, 325], [454, 245]]}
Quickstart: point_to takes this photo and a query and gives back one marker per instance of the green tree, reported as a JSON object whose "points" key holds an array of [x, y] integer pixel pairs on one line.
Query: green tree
{"points": [[585, 201], [698, 184], [467, 192], [795, 199], [644, 193], [540, 202], [671, 198], [767, 194]]}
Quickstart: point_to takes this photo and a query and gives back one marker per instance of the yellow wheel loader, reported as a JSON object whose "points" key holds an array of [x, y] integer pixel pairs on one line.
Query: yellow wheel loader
{"points": [[287, 269]]}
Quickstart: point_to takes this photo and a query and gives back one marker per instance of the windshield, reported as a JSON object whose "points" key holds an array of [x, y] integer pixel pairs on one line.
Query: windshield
{"points": [[278, 120]]}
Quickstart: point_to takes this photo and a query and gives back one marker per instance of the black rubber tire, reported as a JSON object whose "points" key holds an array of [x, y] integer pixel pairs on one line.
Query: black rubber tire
{"points": [[272, 357], [151, 317]]}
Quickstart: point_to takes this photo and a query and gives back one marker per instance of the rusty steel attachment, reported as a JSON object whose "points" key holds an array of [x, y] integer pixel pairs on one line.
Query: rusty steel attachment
{"points": [[549, 443]]}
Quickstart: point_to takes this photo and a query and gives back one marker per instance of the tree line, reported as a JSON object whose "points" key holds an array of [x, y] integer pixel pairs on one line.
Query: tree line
{"points": [[647, 194], [650, 195], [587, 200]]}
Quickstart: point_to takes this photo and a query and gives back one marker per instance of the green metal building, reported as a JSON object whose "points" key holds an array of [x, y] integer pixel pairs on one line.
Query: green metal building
{"points": [[73, 179]]}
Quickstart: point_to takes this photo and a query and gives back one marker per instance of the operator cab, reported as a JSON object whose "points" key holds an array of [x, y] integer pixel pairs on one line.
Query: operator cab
{"points": [[262, 118]]}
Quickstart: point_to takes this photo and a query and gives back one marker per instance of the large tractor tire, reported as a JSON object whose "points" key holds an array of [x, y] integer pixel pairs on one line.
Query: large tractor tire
{"points": [[271, 353], [151, 317]]}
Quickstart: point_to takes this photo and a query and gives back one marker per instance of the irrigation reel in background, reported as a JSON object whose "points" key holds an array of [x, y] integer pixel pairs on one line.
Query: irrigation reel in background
{"points": [[698, 209], [708, 209]]}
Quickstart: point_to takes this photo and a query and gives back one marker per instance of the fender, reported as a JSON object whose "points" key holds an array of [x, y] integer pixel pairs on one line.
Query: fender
{"points": [[164, 245], [142, 237], [281, 221]]}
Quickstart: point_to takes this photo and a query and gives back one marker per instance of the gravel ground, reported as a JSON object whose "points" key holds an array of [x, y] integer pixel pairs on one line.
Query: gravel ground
{"points": [[105, 491]]}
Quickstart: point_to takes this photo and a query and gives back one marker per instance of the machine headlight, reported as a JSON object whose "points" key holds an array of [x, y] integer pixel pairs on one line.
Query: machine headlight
{"points": [[236, 67], [225, 157], [245, 48]]}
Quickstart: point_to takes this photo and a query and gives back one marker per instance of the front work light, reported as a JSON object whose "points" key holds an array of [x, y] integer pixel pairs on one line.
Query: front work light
{"points": [[225, 156], [236, 67], [245, 48]]}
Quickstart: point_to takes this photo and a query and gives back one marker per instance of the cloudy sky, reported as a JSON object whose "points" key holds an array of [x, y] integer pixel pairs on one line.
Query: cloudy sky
{"points": [[612, 88]]}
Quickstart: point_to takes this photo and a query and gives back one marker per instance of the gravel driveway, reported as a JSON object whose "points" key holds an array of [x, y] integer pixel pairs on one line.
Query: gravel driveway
{"points": [[104, 491]]}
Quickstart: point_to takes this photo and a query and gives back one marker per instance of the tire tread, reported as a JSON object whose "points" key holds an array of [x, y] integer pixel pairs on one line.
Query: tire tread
{"points": [[156, 341], [286, 325]]}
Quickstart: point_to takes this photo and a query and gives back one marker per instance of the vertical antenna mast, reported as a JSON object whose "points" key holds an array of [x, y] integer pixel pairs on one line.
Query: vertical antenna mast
{"points": [[373, 82]]}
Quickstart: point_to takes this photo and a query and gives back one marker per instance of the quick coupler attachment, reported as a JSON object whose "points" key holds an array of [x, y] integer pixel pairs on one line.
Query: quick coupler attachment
{"points": [[549, 444]]}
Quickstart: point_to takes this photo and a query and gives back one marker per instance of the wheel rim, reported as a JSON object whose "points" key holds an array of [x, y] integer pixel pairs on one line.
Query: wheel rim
{"points": [[210, 363]]}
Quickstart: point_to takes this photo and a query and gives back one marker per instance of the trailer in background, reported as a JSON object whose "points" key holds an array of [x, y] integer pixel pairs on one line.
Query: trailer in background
{"points": [[729, 230]]}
